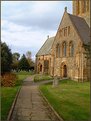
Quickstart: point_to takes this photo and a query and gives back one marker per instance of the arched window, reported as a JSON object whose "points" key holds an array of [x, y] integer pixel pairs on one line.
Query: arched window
{"points": [[71, 49], [65, 31], [87, 1], [57, 50], [83, 4], [68, 30], [61, 33], [77, 7], [64, 49]]}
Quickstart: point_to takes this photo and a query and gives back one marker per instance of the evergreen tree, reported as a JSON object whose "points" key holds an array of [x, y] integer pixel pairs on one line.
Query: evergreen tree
{"points": [[23, 64], [6, 58]]}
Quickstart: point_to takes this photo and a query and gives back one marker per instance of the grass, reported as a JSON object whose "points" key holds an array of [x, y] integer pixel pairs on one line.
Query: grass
{"points": [[40, 77], [70, 99], [25, 73], [8, 95]]}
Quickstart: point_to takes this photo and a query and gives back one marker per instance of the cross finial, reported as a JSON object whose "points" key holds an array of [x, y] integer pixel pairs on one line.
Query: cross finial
{"points": [[65, 9], [47, 36]]}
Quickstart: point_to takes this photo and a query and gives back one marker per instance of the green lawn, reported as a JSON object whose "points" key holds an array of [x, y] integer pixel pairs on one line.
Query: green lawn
{"points": [[8, 95], [70, 99], [25, 73], [41, 77]]}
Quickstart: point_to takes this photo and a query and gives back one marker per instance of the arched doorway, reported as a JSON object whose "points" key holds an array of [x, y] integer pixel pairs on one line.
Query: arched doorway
{"points": [[64, 71], [40, 68]]}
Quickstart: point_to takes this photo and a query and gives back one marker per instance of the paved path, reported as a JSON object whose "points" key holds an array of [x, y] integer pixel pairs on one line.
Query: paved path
{"points": [[30, 105]]}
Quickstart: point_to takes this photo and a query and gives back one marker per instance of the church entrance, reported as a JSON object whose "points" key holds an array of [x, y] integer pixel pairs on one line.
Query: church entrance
{"points": [[64, 71], [40, 68]]}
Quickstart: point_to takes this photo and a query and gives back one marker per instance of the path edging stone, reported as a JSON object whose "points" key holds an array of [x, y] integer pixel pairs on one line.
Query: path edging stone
{"points": [[13, 105], [60, 119]]}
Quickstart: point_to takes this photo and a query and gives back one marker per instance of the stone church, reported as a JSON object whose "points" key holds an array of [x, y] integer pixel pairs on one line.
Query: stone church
{"points": [[63, 55]]}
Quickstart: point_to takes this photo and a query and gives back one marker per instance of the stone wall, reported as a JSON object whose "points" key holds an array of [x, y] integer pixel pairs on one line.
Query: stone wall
{"points": [[82, 8], [74, 67], [75, 64], [40, 61]]}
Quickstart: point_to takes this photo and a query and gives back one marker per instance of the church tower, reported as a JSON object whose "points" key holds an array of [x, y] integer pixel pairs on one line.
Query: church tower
{"points": [[82, 8]]}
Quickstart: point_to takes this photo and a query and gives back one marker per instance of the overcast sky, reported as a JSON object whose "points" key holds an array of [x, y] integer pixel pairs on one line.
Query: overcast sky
{"points": [[26, 24]]}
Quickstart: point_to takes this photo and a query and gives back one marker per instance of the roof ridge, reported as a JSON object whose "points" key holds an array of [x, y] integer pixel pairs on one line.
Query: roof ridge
{"points": [[75, 16]]}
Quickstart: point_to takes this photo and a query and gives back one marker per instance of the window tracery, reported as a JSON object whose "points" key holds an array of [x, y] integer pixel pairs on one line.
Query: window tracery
{"points": [[64, 49], [58, 50], [71, 49]]}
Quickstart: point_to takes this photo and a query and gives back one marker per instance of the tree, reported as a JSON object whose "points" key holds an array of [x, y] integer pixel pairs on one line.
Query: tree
{"points": [[28, 54], [30, 61], [16, 56], [15, 61], [23, 64], [6, 58], [15, 65]]}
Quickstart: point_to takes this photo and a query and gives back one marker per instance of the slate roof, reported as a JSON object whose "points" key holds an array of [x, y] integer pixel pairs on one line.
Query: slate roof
{"points": [[46, 48], [82, 27], [83, 31]]}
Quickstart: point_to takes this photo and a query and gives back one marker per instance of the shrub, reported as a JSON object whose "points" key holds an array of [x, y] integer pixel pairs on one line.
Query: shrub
{"points": [[8, 79]]}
